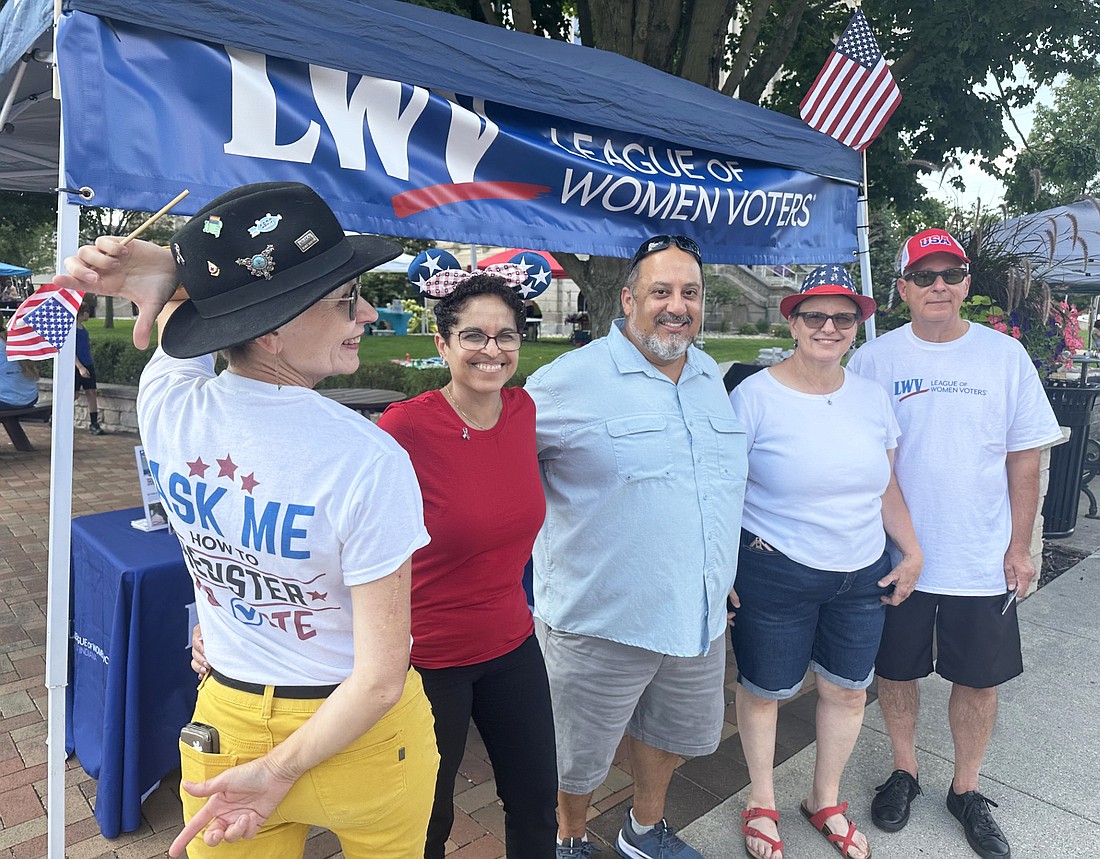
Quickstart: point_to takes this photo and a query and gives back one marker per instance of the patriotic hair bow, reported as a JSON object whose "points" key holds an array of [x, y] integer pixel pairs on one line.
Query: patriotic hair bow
{"points": [[436, 273]]}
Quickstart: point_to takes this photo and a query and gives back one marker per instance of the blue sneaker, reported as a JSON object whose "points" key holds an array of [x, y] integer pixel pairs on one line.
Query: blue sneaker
{"points": [[575, 848], [661, 842]]}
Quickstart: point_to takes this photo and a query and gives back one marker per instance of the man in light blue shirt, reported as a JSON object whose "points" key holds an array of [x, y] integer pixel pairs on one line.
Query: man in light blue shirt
{"points": [[643, 463]]}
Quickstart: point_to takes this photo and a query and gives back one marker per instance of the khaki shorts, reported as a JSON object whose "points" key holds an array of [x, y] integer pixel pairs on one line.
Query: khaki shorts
{"points": [[601, 689]]}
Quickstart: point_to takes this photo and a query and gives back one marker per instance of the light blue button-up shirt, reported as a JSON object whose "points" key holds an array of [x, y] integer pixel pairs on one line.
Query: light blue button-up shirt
{"points": [[644, 481]]}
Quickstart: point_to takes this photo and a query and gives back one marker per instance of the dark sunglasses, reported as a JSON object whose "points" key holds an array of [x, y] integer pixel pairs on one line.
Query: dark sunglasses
{"points": [[352, 301], [925, 279], [659, 243], [841, 321]]}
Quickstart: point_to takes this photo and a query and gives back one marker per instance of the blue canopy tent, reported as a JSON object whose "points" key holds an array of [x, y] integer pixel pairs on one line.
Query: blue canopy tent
{"points": [[588, 136], [13, 270], [500, 137]]}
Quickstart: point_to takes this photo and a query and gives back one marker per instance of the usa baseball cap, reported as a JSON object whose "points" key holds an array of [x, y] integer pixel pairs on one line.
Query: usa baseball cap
{"points": [[926, 243]]}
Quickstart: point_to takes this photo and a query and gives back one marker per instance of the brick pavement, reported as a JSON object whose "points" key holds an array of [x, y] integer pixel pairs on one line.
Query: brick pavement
{"points": [[105, 479]]}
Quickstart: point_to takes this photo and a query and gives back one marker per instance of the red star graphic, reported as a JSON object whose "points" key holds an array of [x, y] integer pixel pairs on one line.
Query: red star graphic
{"points": [[197, 467], [227, 467], [249, 482], [318, 597]]}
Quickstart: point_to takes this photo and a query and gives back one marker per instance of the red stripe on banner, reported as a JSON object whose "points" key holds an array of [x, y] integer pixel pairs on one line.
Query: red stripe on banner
{"points": [[413, 202]]}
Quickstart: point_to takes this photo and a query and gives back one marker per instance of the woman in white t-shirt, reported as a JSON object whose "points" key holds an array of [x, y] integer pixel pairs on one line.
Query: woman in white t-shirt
{"points": [[813, 575], [298, 520]]}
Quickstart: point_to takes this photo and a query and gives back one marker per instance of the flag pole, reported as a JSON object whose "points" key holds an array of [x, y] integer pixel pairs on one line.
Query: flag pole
{"points": [[60, 515], [863, 219]]}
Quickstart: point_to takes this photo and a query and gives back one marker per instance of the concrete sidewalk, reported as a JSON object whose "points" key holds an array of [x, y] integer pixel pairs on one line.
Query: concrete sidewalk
{"points": [[1041, 765]]}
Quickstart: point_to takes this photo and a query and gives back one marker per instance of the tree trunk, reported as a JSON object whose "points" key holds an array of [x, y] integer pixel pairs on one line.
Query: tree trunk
{"points": [[109, 312], [601, 281]]}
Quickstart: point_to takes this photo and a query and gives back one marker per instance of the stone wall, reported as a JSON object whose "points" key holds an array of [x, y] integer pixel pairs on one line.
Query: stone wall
{"points": [[117, 406]]}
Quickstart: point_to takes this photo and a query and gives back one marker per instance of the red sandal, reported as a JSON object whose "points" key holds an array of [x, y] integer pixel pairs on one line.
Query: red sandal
{"points": [[751, 814], [843, 843]]}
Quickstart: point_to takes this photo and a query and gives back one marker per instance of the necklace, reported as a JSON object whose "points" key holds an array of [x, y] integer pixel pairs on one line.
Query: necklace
{"points": [[465, 434]]}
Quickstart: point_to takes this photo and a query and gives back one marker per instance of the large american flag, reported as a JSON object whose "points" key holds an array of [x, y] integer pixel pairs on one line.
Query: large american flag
{"points": [[41, 324], [854, 93]]}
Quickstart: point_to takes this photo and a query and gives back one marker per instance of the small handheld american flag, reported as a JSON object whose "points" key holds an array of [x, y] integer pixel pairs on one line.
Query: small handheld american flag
{"points": [[42, 323]]}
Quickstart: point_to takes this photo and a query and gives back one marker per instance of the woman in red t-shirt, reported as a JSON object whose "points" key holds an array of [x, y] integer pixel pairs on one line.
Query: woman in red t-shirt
{"points": [[472, 445]]}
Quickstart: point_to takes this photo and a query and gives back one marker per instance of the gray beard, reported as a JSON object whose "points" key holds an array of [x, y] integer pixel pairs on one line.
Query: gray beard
{"points": [[665, 349]]}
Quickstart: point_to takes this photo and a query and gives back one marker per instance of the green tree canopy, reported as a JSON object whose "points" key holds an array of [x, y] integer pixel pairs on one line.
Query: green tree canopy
{"points": [[961, 67], [1061, 160]]}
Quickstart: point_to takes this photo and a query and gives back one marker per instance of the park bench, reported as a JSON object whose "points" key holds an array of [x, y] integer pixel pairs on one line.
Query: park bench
{"points": [[12, 422]]}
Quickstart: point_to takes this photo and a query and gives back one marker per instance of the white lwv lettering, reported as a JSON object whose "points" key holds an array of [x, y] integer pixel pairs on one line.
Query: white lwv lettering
{"points": [[375, 103]]}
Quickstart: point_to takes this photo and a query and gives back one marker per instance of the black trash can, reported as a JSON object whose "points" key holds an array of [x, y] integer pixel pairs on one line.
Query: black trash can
{"points": [[1073, 407]]}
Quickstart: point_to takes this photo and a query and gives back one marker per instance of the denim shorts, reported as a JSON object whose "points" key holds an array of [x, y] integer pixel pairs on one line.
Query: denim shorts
{"points": [[793, 617]]}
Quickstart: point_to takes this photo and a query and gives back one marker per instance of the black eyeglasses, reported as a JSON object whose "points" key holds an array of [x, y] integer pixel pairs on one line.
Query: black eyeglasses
{"points": [[352, 300], [659, 243], [472, 339], [841, 321], [925, 279]]}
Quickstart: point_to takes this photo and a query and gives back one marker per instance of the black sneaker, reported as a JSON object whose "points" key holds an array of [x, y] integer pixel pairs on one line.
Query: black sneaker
{"points": [[983, 834], [890, 807], [96, 429]]}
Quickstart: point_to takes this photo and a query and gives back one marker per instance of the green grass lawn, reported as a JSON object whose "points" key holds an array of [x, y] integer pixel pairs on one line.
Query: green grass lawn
{"points": [[379, 350]]}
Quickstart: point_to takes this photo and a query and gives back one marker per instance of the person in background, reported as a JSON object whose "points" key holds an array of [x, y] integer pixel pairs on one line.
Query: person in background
{"points": [[973, 417], [643, 464], [813, 575], [85, 371], [472, 445], [18, 379], [315, 514]]}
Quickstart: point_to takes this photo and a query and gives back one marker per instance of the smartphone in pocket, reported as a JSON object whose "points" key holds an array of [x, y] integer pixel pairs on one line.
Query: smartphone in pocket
{"points": [[201, 737]]}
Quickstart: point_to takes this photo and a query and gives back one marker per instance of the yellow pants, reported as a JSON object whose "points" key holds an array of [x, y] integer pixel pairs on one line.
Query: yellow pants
{"points": [[375, 795]]}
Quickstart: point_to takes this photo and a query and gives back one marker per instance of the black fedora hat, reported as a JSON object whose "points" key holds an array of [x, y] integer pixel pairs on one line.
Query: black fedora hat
{"points": [[254, 258]]}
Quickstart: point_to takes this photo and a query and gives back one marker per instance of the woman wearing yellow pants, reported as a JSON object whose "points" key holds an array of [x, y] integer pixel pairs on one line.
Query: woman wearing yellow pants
{"points": [[297, 519]]}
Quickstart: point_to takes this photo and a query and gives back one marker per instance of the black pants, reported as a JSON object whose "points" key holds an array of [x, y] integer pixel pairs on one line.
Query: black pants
{"points": [[509, 700]]}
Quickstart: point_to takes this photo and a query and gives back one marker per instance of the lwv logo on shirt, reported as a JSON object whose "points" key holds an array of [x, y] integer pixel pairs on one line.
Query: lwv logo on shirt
{"points": [[904, 388]]}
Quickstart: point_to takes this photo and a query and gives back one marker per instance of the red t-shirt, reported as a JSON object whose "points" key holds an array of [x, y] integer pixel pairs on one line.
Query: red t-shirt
{"points": [[483, 506]]}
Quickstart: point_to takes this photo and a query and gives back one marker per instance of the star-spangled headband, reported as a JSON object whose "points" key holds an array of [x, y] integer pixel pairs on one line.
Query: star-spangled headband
{"points": [[436, 273]]}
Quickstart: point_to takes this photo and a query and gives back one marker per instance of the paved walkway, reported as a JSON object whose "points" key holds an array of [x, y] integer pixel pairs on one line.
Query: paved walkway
{"points": [[1025, 766]]}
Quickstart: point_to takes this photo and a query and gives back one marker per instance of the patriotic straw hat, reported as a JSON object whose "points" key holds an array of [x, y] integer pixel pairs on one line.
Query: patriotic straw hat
{"points": [[256, 257], [828, 280]]}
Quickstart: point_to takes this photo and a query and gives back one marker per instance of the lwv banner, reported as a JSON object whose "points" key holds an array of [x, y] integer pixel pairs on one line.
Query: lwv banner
{"points": [[151, 113]]}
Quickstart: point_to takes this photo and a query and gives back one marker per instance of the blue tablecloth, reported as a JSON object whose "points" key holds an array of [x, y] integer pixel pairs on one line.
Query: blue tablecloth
{"points": [[397, 320], [131, 687]]}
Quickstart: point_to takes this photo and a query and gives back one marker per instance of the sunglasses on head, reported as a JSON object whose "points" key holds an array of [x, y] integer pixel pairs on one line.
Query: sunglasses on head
{"points": [[841, 321], [659, 243], [951, 276]]}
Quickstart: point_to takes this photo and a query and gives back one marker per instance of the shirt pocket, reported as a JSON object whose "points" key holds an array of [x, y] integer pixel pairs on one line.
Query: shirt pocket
{"points": [[641, 448], [730, 437]]}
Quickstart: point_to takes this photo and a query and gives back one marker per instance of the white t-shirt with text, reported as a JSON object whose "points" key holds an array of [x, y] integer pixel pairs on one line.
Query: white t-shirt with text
{"points": [[282, 500], [962, 406]]}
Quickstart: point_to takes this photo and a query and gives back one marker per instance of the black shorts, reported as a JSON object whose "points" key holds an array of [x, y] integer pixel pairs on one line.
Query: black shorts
{"points": [[976, 645], [88, 384]]}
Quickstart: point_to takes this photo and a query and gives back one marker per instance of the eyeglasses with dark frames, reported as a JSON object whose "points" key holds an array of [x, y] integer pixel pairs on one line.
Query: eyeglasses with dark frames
{"points": [[352, 301], [660, 243], [925, 279], [472, 339], [841, 321]]}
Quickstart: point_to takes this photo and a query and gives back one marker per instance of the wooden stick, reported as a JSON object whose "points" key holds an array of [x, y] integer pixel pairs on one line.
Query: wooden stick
{"points": [[154, 218]]}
